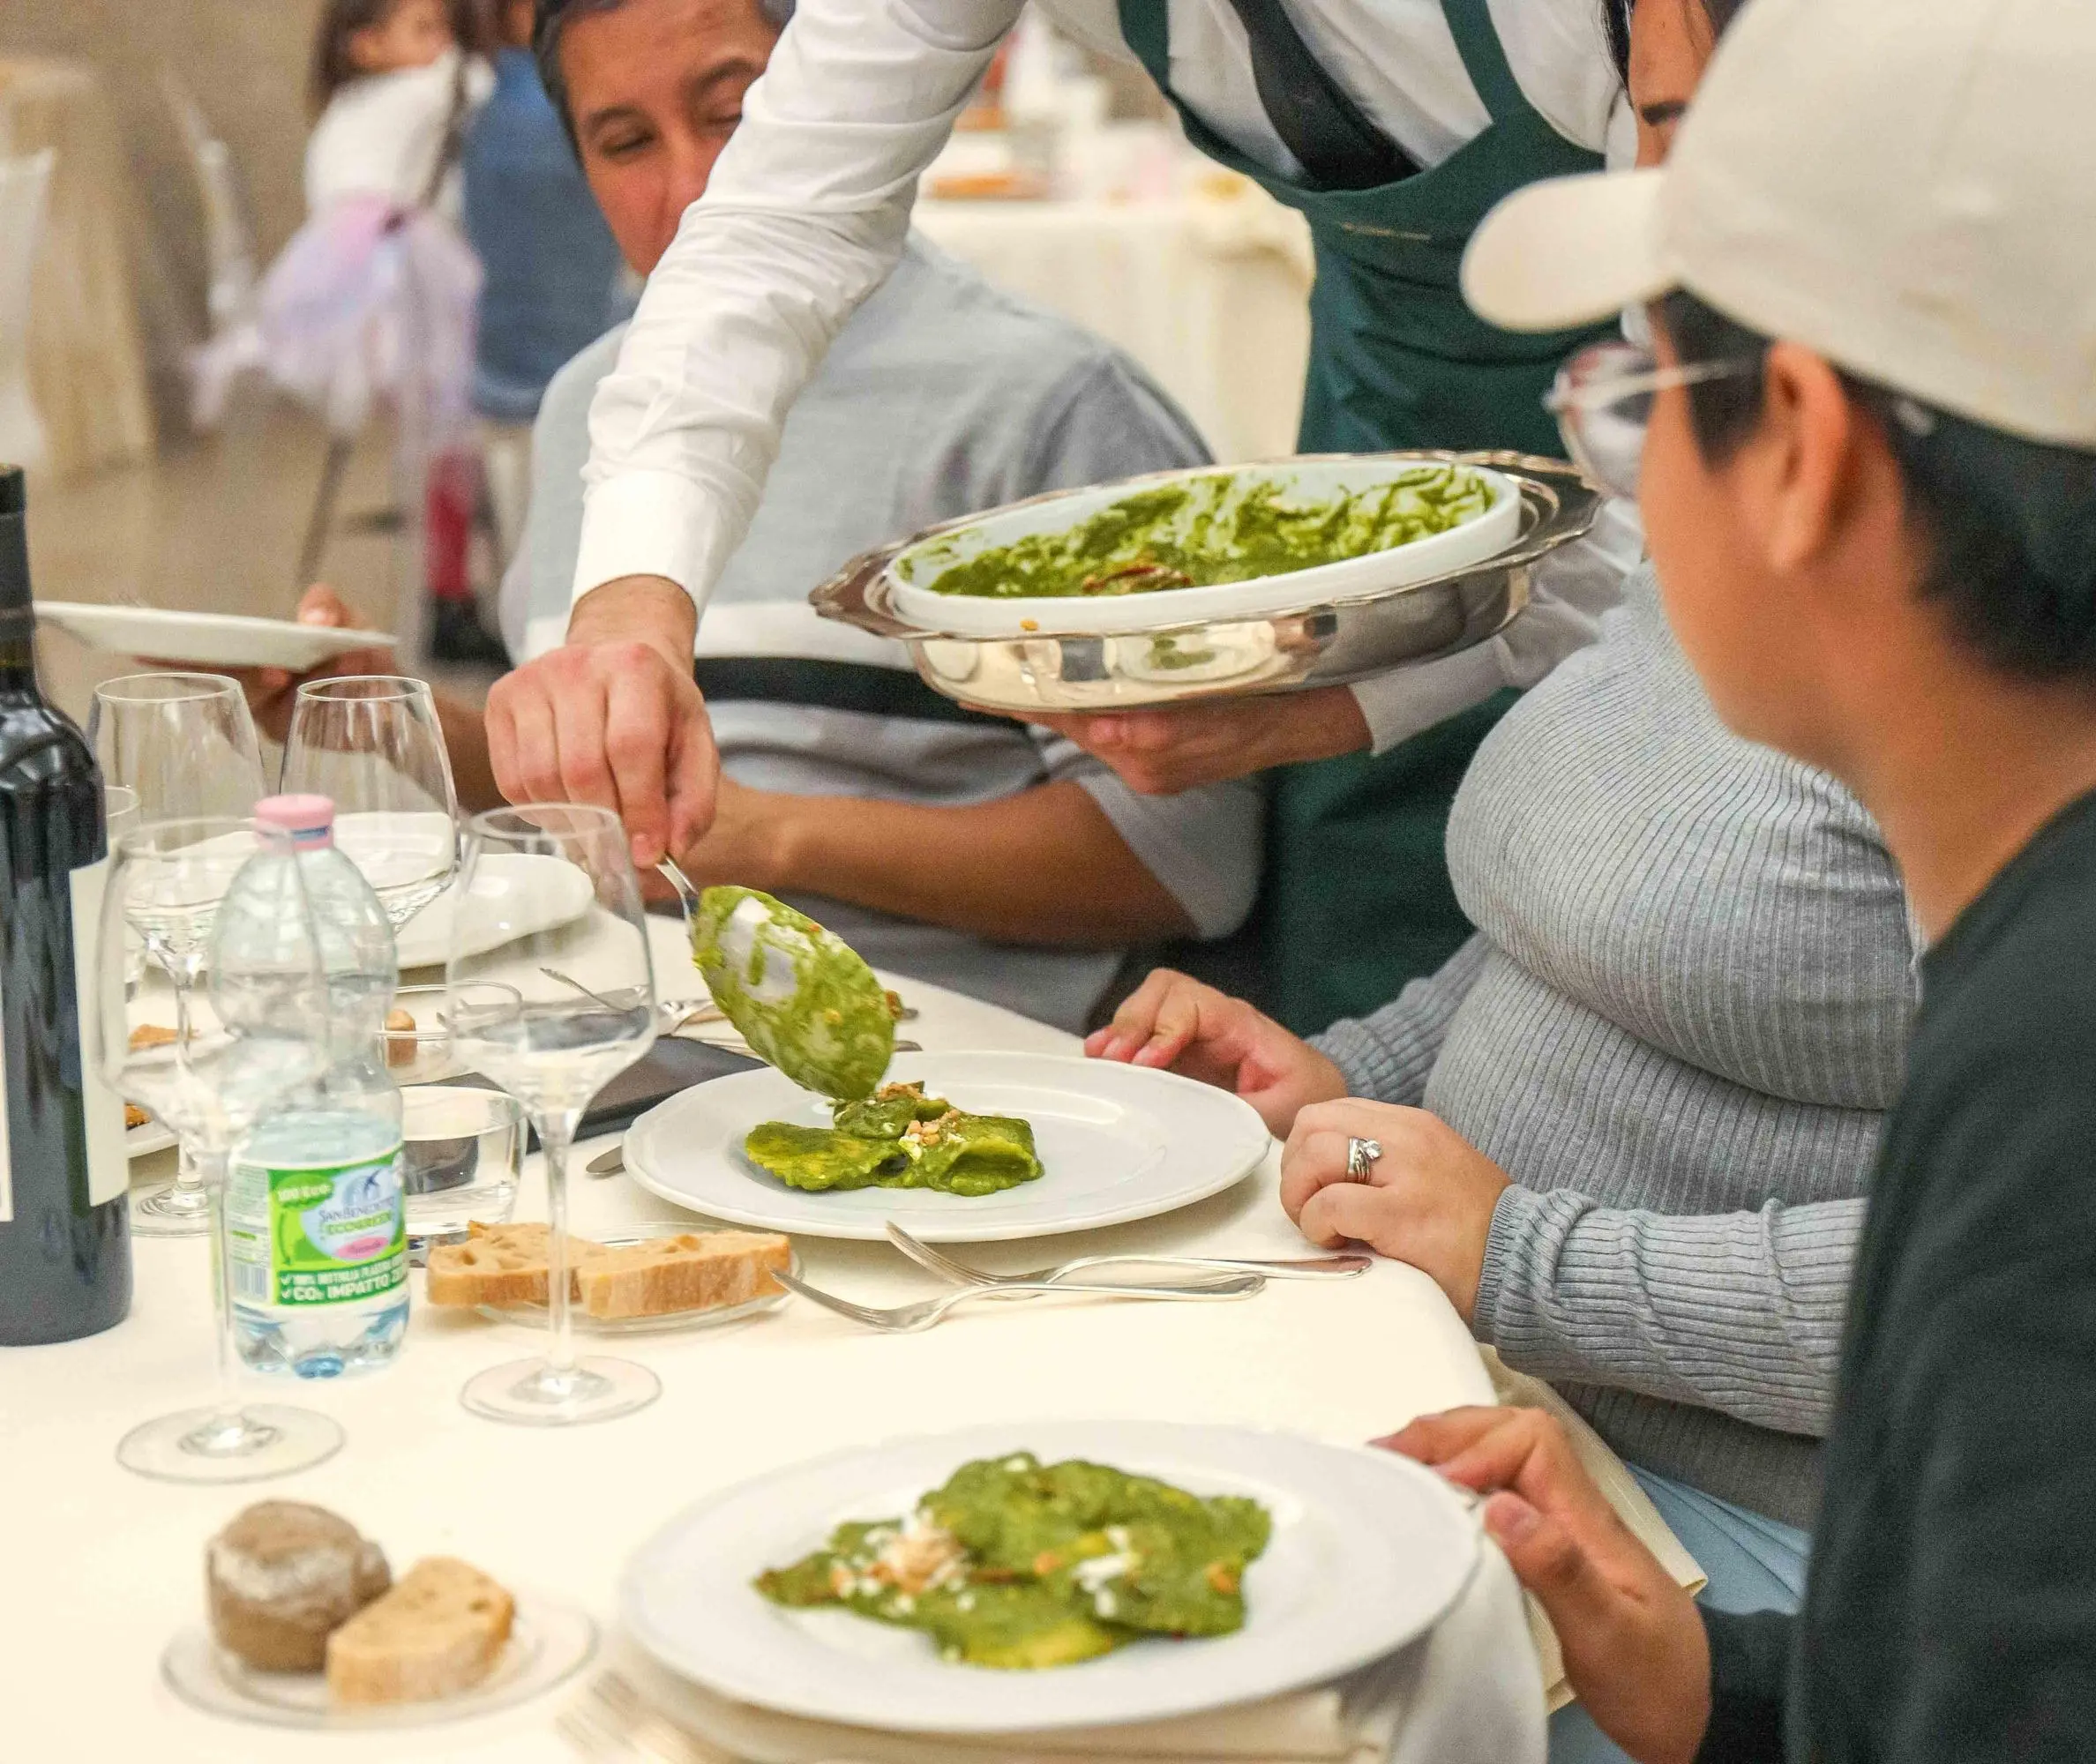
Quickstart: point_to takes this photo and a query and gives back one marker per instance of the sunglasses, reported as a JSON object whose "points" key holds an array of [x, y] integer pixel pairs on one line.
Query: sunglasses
{"points": [[1603, 402]]}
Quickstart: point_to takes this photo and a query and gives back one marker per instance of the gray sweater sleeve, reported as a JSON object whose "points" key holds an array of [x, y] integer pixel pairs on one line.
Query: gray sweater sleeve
{"points": [[1387, 1055], [1736, 1311]]}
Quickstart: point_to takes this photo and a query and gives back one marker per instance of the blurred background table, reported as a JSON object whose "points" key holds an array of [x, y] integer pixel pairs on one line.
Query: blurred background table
{"points": [[86, 358], [1206, 287]]}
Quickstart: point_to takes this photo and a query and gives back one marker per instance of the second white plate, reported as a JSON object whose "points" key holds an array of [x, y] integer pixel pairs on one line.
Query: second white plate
{"points": [[220, 639], [1117, 1142], [543, 892], [1369, 1550]]}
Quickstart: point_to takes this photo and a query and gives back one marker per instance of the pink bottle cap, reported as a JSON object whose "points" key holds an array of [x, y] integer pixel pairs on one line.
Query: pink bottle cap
{"points": [[307, 821]]}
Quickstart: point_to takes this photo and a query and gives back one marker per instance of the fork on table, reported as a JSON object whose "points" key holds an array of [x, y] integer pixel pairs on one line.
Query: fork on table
{"points": [[907, 1319], [1306, 1267]]}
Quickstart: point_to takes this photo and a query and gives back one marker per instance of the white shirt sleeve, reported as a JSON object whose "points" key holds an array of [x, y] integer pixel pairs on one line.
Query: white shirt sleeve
{"points": [[804, 216], [1570, 591]]}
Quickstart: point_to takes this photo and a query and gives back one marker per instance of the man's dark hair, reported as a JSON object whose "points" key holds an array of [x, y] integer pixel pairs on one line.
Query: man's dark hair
{"points": [[1615, 22], [2010, 524], [554, 16]]}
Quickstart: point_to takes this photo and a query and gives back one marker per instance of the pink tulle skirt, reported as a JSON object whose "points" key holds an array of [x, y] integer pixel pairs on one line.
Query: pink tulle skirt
{"points": [[371, 304]]}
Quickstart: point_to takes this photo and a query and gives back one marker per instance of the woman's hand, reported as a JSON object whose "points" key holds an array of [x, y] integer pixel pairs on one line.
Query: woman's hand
{"points": [[1159, 753], [1179, 1024], [1428, 1200], [1634, 1649]]}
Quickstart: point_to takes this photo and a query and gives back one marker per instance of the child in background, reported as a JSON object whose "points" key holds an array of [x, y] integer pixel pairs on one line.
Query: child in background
{"points": [[395, 85], [393, 88]]}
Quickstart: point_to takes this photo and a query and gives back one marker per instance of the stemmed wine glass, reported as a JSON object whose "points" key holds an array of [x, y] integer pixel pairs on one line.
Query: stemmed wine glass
{"points": [[182, 746], [553, 1047], [262, 1032], [372, 742]]}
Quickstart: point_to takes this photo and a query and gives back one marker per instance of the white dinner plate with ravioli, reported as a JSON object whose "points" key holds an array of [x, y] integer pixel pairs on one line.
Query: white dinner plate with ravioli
{"points": [[1368, 1552], [1116, 1142], [221, 640], [519, 895]]}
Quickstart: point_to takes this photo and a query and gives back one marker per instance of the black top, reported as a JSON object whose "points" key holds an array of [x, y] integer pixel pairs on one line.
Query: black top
{"points": [[1951, 1610]]}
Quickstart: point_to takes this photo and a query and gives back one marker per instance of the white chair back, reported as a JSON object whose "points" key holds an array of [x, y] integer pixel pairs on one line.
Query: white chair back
{"points": [[228, 240], [24, 183]]}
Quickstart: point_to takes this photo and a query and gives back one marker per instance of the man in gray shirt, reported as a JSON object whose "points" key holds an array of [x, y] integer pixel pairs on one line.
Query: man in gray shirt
{"points": [[965, 849]]}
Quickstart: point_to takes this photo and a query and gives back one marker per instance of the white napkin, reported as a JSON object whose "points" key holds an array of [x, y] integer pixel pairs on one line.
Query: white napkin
{"points": [[1467, 1693], [1633, 1506]]}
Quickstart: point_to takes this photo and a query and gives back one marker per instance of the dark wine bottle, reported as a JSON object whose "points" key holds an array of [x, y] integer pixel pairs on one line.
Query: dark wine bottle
{"points": [[66, 1266]]}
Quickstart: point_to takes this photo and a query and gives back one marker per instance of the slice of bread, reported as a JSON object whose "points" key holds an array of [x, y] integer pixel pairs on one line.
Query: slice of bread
{"points": [[498, 1264], [695, 1271], [438, 1632]]}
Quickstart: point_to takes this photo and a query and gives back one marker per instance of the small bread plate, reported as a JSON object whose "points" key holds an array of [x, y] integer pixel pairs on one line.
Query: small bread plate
{"points": [[145, 1139], [1116, 1142], [534, 1316], [1368, 1552], [914, 570], [538, 894], [549, 1641], [222, 640]]}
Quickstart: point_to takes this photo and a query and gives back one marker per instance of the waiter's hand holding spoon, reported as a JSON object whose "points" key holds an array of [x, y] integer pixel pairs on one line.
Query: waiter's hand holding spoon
{"points": [[612, 718]]}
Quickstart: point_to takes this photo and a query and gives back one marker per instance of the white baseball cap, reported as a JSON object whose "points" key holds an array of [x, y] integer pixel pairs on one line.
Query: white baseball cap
{"points": [[1906, 187]]}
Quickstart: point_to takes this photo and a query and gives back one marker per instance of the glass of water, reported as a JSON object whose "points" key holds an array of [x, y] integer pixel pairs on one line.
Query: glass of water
{"points": [[580, 1010], [461, 1149], [372, 742]]}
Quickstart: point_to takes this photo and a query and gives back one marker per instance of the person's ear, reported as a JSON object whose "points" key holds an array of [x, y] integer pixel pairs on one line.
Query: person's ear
{"points": [[1807, 454]]}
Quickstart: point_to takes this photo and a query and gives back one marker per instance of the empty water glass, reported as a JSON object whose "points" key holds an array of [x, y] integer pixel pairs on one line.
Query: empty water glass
{"points": [[461, 1149]]}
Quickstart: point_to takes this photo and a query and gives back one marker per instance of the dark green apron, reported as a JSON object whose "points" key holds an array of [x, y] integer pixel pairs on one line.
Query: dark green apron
{"points": [[1357, 899]]}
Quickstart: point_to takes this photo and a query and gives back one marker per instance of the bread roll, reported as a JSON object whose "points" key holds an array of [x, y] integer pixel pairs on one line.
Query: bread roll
{"points": [[440, 1631], [696, 1271], [282, 1576]]}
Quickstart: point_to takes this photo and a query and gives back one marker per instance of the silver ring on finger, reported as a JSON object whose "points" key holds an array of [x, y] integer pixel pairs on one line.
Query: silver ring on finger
{"points": [[1361, 1154]]}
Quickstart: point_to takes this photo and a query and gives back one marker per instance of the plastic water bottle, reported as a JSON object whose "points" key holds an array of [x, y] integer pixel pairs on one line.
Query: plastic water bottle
{"points": [[315, 1228]]}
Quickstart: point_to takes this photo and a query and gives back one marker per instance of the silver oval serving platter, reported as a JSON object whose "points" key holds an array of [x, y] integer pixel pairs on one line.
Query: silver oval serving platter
{"points": [[1326, 642]]}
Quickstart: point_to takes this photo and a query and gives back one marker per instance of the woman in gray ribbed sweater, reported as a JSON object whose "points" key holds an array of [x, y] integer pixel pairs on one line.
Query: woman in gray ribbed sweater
{"points": [[1651, 1084]]}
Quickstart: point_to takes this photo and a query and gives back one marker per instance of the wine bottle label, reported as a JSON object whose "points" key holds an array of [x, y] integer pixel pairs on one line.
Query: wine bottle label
{"points": [[109, 1163], [108, 1171], [316, 1236]]}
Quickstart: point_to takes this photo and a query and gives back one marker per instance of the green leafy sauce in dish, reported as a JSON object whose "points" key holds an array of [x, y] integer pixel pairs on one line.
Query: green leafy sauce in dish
{"points": [[1020, 1564], [899, 1139], [1205, 531], [799, 995]]}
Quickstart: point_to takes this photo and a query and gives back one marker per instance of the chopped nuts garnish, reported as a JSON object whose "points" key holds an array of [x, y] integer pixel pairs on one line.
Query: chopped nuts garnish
{"points": [[919, 1557]]}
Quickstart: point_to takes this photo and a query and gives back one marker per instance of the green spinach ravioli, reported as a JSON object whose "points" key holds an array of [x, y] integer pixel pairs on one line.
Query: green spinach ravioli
{"points": [[1018, 1564], [899, 1137]]}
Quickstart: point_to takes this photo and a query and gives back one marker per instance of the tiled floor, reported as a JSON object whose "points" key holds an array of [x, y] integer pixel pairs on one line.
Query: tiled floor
{"points": [[214, 524]]}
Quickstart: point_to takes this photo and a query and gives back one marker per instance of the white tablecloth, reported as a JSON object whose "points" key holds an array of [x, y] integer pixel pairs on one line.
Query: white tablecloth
{"points": [[1207, 290], [102, 1567]]}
